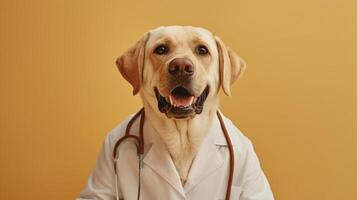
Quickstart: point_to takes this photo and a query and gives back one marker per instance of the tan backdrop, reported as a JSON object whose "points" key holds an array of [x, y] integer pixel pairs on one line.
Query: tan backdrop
{"points": [[61, 92]]}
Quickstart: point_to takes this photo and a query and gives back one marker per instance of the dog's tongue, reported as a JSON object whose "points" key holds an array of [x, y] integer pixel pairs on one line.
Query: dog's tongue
{"points": [[181, 101]]}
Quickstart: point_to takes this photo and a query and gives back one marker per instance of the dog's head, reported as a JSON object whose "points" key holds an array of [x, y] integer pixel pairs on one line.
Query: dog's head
{"points": [[179, 68]]}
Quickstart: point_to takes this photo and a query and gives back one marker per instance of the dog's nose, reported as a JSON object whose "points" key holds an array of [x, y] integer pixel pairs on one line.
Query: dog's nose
{"points": [[181, 67]]}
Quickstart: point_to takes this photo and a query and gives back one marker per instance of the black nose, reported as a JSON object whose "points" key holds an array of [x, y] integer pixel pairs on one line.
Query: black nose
{"points": [[181, 67]]}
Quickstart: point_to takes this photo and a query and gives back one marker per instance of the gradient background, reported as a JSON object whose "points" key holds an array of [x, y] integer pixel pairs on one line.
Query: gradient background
{"points": [[61, 92]]}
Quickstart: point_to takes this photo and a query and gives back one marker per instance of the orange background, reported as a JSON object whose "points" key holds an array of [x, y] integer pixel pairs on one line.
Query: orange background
{"points": [[61, 92]]}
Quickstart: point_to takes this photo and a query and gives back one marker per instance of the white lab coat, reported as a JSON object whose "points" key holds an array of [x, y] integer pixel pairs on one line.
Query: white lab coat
{"points": [[207, 179]]}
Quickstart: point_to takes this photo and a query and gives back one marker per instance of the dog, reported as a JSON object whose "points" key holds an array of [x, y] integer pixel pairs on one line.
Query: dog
{"points": [[178, 72], [181, 69]]}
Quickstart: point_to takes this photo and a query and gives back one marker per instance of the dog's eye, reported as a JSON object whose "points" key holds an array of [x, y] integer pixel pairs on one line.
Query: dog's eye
{"points": [[161, 49], [202, 50]]}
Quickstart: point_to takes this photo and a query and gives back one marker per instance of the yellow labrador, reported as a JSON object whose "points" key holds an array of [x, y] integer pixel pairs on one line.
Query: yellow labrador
{"points": [[187, 150], [178, 72]]}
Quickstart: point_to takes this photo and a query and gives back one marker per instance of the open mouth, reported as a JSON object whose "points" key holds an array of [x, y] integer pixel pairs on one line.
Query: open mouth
{"points": [[181, 103]]}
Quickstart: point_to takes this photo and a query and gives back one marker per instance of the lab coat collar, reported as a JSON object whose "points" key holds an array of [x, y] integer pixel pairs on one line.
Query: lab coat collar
{"points": [[159, 160], [219, 138], [206, 162]]}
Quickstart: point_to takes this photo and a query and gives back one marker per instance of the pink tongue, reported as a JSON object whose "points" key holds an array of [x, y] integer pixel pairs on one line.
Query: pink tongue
{"points": [[181, 102]]}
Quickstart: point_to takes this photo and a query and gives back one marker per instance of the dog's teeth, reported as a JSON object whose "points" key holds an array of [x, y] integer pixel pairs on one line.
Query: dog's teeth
{"points": [[191, 100], [170, 99], [194, 99]]}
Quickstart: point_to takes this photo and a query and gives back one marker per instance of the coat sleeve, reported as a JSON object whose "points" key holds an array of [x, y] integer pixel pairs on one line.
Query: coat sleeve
{"points": [[101, 182], [255, 185]]}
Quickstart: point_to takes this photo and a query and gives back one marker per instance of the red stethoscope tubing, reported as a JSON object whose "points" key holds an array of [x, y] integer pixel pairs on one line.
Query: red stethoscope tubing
{"points": [[139, 141]]}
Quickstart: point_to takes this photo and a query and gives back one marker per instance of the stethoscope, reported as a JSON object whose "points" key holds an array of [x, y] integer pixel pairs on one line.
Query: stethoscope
{"points": [[139, 142]]}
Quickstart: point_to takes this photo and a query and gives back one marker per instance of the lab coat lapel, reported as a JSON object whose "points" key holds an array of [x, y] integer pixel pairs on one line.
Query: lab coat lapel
{"points": [[208, 158], [159, 160]]}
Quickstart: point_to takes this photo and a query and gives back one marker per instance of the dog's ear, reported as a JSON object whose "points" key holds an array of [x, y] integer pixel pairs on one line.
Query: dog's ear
{"points": [[231, 66], [131, 63]]}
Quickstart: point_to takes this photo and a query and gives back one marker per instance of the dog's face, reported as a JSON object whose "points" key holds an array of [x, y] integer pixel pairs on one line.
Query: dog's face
{"points": [[177, 69]]}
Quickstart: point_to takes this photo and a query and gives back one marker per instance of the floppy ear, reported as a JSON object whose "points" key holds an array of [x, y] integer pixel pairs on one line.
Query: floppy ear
{"points": [[131, 63], [231, 66]]}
